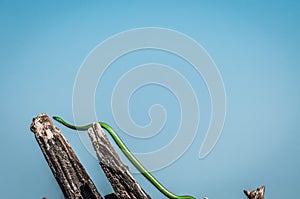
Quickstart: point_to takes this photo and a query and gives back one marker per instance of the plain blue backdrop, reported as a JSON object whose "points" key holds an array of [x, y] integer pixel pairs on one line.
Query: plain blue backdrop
{"points": [[255, 45]]}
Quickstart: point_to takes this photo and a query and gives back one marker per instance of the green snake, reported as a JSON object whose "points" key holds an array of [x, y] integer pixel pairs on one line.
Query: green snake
{"points": [[128, 154]]}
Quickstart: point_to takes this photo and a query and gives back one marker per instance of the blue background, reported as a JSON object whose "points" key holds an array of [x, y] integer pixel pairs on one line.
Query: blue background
{"points": [[255, 45]]}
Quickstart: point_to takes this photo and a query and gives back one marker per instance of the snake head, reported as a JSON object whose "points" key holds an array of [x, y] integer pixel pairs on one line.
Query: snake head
{"points": [[57, 119]]}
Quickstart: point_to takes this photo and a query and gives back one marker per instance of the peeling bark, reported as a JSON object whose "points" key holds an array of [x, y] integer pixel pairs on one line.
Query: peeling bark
{"points": [[65, 166], [123, 183]]}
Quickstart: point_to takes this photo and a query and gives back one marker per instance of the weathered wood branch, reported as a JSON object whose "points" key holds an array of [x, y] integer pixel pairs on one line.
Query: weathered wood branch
{"points": [[66, 168], [71, 175], [123, 183], [256, 194]]}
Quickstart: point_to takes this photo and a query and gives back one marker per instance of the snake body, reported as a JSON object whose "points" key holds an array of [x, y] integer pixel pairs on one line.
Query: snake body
{"points": [[128, 154]]}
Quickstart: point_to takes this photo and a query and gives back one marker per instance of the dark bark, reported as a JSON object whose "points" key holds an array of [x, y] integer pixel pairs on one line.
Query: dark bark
{"points": [[66, 168], [123, 183]]}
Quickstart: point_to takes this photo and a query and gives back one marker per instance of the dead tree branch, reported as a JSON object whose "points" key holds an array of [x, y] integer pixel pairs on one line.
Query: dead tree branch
{"points": [[66, 168], [123, 183], [256, 194]]}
